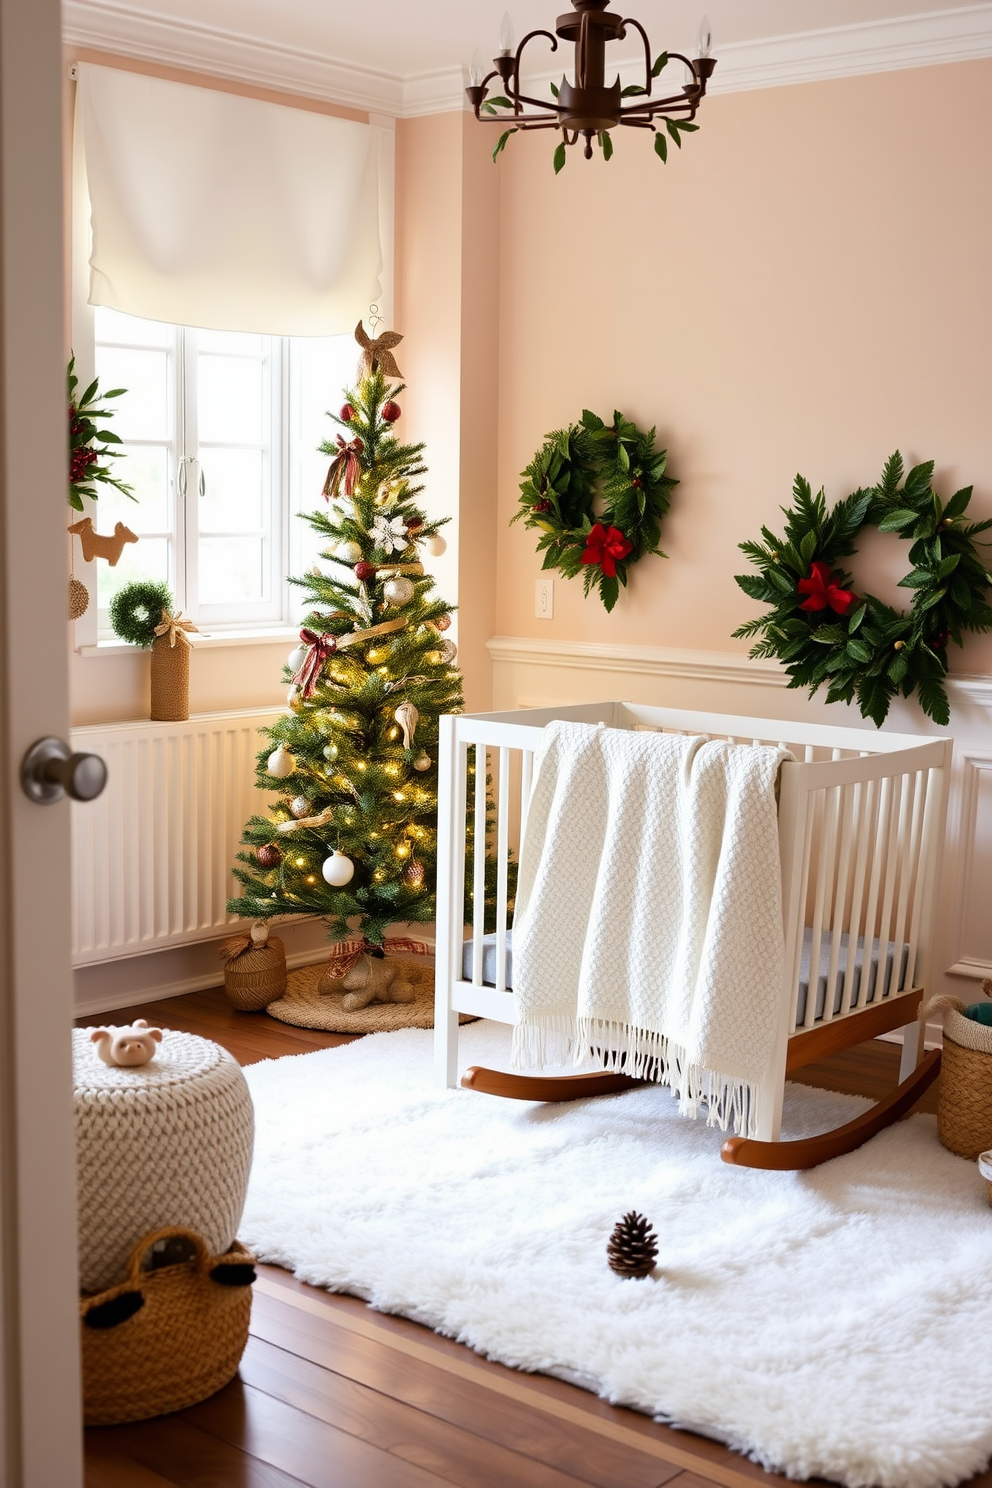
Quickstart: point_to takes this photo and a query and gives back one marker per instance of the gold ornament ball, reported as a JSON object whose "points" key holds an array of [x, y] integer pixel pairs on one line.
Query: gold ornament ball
{"points": [[436, 545], [300, 806], [281, 763], [397, 592], [422, 762]]}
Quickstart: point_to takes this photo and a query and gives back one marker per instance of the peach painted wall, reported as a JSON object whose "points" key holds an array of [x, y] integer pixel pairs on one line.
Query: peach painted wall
{"points": [[805, 287], [447, 291]]}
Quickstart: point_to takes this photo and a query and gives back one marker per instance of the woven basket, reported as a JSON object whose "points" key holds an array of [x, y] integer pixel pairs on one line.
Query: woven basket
{"points": [[257, 976], [964, 1101], [165, 1338], [170, 680]]}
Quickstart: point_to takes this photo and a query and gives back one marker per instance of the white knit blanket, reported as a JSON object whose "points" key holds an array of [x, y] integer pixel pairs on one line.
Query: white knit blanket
{"points": [[648, 922]]}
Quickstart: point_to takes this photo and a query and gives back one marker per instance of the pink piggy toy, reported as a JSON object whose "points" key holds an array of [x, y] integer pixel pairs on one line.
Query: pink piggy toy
{"points": [[133, 1045]]}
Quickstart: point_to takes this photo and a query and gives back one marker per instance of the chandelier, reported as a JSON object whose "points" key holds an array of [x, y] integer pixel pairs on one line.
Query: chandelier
{"points": [[589, 106]]}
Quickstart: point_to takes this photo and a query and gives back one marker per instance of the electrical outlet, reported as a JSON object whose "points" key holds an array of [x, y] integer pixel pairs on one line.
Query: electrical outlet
{"points": [[544, 599]]}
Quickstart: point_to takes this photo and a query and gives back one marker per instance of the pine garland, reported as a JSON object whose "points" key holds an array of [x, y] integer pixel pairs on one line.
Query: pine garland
{"points": [[858, 647], [597, 492]]}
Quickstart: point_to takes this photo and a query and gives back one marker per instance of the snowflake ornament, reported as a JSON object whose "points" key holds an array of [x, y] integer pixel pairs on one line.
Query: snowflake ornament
{"points": [[389, 534]]}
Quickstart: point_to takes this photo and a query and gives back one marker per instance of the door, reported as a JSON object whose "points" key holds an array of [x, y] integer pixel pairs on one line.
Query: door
{"points": [[39, 1363]]}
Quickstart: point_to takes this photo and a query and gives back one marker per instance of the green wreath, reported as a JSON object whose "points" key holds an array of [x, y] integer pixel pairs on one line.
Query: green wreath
{"points": [[824, 633], [597, 492], [136, 609]]}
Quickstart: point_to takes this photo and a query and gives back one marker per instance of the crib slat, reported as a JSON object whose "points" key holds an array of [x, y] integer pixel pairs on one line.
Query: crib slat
{"points": [[526, 783], [897, 832], [840, 900], [801, 900], [908, 843], [479, 865], [920, 865], [824, 871], [933, 824], [878, 856], [866, 796], [502, 854]]}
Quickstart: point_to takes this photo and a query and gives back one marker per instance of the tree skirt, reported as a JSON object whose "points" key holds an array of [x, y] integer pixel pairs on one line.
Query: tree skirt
{"points": [[835, 1323], [303, 1006]]}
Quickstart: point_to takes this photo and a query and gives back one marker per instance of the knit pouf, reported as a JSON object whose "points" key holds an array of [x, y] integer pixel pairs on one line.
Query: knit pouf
{"points": [[159, 1144]]}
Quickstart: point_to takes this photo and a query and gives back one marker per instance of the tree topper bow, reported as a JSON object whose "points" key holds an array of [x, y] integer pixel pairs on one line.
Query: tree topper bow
{"points": [[377, 353]]}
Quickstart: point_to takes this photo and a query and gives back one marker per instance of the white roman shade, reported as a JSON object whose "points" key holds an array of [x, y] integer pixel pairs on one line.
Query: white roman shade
{"points": [[209, 209]]}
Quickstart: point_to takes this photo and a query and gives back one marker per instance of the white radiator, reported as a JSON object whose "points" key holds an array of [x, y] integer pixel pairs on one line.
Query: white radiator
{"points": [[151, 857]]}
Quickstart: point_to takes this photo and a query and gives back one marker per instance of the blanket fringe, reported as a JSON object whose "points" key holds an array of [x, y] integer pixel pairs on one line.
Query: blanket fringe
{"points": [[644, 1054]]}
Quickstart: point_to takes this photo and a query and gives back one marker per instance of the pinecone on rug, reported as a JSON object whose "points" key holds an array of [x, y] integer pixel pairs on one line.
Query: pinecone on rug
{"points": [[633, 1246]]}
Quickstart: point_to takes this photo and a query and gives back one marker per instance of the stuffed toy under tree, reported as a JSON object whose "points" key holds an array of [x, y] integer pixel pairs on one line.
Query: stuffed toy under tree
{"points": [[353, 835]]}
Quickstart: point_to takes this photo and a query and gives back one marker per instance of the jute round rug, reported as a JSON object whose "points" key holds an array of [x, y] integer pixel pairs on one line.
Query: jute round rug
{"points": [[305, 1007]]}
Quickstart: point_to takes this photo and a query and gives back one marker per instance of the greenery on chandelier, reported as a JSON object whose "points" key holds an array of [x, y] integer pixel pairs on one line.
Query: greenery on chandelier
{"points": [[352, 832], [674, 128], [597, 492], [90, 447], [858, 647]]}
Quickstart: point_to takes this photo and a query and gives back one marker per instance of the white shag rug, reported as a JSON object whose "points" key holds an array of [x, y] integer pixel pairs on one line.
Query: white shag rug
{"points": [[835, 1323]]}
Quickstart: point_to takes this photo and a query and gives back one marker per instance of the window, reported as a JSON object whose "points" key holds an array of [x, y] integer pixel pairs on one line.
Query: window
{"points": [[220, 433]]}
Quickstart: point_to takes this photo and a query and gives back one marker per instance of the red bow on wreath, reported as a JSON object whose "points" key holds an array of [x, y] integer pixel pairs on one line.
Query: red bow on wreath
{"points": [[606, 548], [320, 648], [344, 467], [822, 592]]}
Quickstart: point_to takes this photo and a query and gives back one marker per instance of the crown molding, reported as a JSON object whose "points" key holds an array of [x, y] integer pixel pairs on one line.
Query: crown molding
{"points": [[958, 35]]}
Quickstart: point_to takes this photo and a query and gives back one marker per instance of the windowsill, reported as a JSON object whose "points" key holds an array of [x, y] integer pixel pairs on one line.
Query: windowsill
{"points": [[259, 637]]}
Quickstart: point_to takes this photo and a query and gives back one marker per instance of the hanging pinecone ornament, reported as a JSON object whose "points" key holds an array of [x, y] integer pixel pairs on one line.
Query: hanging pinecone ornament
{"points": [[633, 1247]]}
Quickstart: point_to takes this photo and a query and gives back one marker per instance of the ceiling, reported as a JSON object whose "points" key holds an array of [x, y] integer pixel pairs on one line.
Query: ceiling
{"points": [[321, 43]]}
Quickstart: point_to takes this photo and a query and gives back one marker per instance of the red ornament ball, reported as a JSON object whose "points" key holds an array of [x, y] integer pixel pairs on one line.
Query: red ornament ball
{"points": [[391, 412], [347, 414], [268, 855], [364, 571]]}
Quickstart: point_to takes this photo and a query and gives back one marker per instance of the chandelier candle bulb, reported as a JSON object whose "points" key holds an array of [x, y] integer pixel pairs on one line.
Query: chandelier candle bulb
{"points": [[506, 35], [704, 40]]}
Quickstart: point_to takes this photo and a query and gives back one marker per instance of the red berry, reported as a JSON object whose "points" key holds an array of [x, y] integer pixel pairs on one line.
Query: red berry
{"points": [[347, 414], [364, 570], [391, 412], [543, 505]]}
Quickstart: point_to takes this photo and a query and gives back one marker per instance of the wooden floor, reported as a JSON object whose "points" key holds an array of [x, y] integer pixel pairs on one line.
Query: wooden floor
{"points": [[332, 1395]]}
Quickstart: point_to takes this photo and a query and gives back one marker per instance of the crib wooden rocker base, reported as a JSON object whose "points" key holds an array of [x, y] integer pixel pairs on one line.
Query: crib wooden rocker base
{"points": [[546, 1087], [809, 1152]]}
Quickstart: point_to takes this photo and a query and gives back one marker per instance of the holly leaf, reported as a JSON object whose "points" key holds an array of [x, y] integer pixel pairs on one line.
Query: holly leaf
{"points": [[672, 128], [559, 162], [609, 590], [501, 142], [894, 521], [660, 63], [606, 144], [632, 89], [661, 147]]}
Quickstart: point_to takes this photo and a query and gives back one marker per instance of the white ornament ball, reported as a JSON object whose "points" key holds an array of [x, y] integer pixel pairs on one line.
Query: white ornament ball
{"points": [[338, 870], [281, 763], [300, 806], [348, 552], [397, 591], [297, 658], [422, 762], [293, 695], [436, 545], [330, 751]]}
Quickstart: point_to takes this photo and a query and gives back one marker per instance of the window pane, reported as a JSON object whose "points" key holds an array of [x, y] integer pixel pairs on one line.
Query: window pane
{"points": [[145, 468], [143, 412], [148, 559], [235, 343], [232, 499], [111, 325], [230, 400], [230, 570]]}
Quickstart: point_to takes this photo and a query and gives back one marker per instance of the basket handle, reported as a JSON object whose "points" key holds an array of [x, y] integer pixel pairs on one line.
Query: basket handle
{"points": [[941, 1003], [135, 1270]]}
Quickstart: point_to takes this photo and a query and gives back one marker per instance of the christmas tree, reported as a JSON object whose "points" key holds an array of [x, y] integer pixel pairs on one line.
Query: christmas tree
{"points": [[353, 836]]}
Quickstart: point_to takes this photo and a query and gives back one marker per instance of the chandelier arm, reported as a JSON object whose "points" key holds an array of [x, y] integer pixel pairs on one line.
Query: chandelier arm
{"points": [[538, 103], [666, 106], [629, 21], [550, 123]]}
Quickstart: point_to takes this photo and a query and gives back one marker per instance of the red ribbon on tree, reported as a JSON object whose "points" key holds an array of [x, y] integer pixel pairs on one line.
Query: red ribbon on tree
{"points": [[344, 468], [320, 648], [606, 548], [823, 592]]}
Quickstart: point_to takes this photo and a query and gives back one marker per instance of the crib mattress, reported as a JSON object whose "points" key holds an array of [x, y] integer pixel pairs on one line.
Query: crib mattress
{"points": [[895, 981]]}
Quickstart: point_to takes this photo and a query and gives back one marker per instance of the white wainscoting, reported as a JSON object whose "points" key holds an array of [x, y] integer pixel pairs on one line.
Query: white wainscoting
{"points": [[533, 672]]}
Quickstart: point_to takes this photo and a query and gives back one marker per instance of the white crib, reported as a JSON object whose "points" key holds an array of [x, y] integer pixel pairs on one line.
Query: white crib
{"points": [[861, 828]]}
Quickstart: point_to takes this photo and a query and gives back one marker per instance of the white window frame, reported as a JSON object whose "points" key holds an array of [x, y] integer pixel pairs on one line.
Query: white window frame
{"points": [[288, 532]]}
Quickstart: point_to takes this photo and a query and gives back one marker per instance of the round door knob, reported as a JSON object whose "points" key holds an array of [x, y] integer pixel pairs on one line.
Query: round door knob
{"points": [[50, 770]]}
